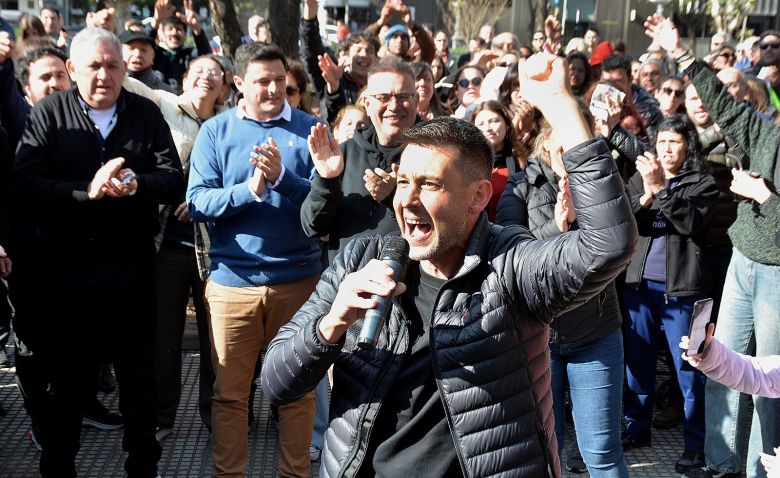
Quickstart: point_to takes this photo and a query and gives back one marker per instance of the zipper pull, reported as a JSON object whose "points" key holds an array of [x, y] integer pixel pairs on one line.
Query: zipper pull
{"points": [[666, 299]]}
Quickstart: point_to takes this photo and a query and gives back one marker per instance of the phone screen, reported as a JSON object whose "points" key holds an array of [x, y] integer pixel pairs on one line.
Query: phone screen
{"points": [[702, 310]]}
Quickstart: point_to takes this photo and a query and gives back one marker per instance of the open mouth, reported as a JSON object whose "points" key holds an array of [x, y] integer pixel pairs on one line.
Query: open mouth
{"points": [[418, 229]]}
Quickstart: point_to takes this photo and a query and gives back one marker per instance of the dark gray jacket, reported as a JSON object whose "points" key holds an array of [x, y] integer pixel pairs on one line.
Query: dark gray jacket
{"points": [[529, 201], [489, 334]]}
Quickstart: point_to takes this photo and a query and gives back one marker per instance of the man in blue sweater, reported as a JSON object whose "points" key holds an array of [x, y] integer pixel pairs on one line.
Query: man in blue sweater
{"points": [[250, 174]]}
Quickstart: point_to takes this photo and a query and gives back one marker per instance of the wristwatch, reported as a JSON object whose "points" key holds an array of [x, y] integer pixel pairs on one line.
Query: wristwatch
{"points": [[662, 193]]}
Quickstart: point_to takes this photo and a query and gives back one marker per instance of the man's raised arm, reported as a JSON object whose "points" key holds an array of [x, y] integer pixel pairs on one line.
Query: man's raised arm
{"points": [[558, 274]]}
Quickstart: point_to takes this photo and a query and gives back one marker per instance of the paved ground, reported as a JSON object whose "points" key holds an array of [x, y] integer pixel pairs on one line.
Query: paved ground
{"points": [[188, 452]]}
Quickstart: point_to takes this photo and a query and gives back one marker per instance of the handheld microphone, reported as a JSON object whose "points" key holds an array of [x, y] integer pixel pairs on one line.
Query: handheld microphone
{"points": [[395, 254]]}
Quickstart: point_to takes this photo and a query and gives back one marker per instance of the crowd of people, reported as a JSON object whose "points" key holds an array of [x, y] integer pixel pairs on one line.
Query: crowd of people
{"points": [[565, 209]]}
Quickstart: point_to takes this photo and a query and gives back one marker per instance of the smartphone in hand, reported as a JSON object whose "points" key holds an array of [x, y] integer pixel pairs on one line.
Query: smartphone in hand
{"points": [[702, 310]]}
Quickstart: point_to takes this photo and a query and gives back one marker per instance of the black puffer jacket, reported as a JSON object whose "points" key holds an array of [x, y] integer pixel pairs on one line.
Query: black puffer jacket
{"points": [[341, 207], [628, 147], [688, 211], [648, 110], [529, 200], [489, 334]]}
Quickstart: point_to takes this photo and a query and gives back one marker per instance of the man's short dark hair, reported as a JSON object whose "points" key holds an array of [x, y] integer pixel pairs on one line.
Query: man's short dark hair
{"points": [[175, 21], [251, 52], [23, 65], [51, 8], [474, 155], [594, 30], [392, 64], [358, 37], [614, 62]]}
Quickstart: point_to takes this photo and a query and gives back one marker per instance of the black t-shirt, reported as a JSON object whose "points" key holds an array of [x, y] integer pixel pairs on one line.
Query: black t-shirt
{"points": [[411, 436]]}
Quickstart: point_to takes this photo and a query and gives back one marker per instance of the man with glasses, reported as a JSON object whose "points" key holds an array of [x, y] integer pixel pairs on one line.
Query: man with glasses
{"points": [[355, 178], [249, 175]]}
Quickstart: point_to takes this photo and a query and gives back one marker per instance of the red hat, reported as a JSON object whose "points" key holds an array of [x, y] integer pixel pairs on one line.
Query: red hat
{"points": [[602, 50]]}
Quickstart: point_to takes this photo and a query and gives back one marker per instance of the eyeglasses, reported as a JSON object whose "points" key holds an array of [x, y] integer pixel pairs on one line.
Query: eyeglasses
{"points": [[211, 72], [726, 55], [507, 64], [464, 83], [291, 90], [385, 98], [766, 46], [669, 92]]}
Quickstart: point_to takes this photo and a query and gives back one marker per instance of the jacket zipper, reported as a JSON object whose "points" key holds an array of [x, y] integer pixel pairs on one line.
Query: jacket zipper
{"points": [[363, 415]]}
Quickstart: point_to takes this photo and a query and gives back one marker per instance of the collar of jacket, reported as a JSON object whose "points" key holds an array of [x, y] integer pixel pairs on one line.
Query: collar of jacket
{"points": [[538, 172], [185, 106], [686, 177], [121, 101], [477, 247]]}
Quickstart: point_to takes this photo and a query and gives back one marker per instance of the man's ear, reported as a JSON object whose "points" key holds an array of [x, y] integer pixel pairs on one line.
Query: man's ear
{"points": [[481, 191], [239, 82], [71, 69]]}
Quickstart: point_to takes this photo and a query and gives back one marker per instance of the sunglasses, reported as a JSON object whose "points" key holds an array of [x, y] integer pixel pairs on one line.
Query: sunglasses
{"points": [[766, 46], [669, 92], [507, 64], [476, 81], [291, 90]]}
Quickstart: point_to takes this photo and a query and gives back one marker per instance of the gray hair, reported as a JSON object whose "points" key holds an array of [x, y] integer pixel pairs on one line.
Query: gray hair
{"points": [[88, 37]]}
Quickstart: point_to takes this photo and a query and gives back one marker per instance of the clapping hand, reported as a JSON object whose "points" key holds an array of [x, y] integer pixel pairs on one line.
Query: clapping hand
{"points": [[331, 72], [652, 176], [267, 158], [325, 152], [380, 183], [108, 181]]}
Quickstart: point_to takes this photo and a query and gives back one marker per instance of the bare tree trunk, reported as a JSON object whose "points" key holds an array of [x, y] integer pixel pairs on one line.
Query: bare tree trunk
{"points": [[285, 17], [223, 15]]}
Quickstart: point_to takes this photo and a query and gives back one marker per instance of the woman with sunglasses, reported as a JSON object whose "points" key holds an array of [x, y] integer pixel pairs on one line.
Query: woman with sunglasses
{"points": [[580, 73], [182, 263], [671, 96], [465, 92], [297, 86]]}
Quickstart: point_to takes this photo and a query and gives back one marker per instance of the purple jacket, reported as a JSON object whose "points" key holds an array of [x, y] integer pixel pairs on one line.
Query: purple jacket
{"points": [[754, 375]]}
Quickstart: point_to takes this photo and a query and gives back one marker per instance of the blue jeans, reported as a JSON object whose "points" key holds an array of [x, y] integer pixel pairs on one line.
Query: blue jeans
{"points": [[321, 413], [749, 323], [594, 372], [647, 309]]}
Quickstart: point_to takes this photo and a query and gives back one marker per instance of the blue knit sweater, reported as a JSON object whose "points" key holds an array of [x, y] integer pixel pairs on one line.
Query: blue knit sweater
{"points": [[253, 243]]}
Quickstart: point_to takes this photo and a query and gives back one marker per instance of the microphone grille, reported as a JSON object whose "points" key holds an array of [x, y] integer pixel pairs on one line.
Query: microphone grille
{"points": [[395, 248]]}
